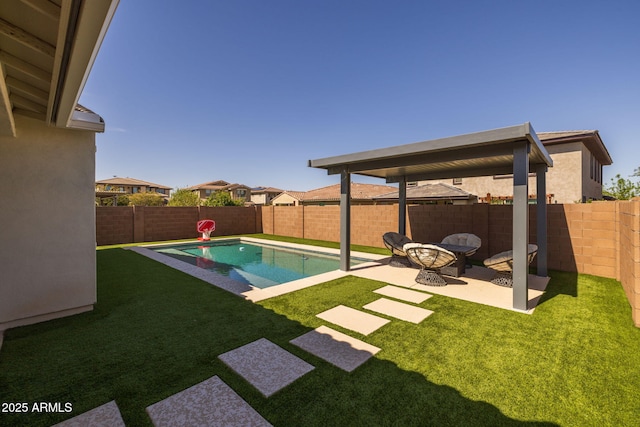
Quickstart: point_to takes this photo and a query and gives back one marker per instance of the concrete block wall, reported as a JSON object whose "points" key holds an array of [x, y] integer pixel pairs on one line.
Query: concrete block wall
{"points": [[130, 224], [629, 250], [114, 225]]}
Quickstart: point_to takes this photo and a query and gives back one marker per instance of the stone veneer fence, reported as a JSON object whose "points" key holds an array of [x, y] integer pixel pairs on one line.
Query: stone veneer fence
{"points": [[600, 238]]}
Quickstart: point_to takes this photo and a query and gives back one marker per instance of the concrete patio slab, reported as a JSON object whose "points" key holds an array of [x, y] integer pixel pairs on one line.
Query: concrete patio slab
{"points": [[399, 310], [474, 285], [265, 365], [341, 350], [107, 415], [209, 403], [355, 320], [403, 294]]}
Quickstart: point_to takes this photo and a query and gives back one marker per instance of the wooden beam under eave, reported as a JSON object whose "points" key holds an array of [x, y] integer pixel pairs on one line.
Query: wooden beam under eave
{"points": [[7, 122], [25, 67], [45, 7], [37, 116], [26, 39], [27, 104], [37, 95]]}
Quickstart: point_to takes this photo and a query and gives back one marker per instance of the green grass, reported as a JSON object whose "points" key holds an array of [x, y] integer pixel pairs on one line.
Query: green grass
{"points": [[156, 331]]}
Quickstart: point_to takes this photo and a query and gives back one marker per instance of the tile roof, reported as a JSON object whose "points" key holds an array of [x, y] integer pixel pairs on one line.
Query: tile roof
{"points": [[295, 194], [266, 190], [437, 191], [210, 185], [130, 181], [358, 192]]}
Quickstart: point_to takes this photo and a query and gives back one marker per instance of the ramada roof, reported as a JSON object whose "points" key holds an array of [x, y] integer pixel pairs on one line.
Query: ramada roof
{"points": [[130, 181]]}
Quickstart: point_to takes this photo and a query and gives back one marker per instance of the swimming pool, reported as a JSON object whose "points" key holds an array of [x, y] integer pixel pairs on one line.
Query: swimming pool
{"points": [[256, 264]]}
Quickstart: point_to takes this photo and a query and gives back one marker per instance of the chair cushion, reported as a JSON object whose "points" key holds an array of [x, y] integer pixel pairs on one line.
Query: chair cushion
{"points": [[429, 256], [503, 261]]}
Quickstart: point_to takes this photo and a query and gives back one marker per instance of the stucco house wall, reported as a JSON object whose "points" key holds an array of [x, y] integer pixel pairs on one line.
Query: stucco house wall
{"points": [[47, 231]]}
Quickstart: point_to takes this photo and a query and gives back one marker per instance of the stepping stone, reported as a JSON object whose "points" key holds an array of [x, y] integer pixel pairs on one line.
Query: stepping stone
{"points": [[403, 294], [399, 310], [209, 403], [355, 320], [341, 350], [107, 415], [265, 365]]}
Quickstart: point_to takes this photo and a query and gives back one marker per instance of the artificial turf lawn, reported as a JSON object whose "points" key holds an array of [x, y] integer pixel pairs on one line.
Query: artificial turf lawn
{"points": [[156, 331]]}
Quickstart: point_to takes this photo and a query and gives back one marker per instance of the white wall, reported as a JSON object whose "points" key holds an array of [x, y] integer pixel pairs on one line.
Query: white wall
{"points": [[47, 223]]}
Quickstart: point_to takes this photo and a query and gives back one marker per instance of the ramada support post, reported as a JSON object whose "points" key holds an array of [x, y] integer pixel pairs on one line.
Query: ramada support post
{"points": [[520, 225], [402, 206], [541, 219], [345, 219]]}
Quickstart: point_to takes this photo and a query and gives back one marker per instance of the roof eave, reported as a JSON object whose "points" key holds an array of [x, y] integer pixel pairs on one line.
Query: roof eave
{"points": [[82, 30]]}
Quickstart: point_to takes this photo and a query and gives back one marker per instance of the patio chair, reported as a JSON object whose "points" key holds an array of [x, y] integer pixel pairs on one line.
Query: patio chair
{"points": [[395, 242], [430, 258], [464, 239], [502, 264]]}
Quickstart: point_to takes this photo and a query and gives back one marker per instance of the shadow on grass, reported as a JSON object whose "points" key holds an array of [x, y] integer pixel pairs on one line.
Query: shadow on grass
{"points": [[561, 283], [156, 331]]}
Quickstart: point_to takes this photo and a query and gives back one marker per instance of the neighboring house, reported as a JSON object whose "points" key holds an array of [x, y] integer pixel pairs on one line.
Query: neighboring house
{"points": [[236, 191], [361, 194], [437, 193], [47, 158], [264, 195], [288, 198], [113, 187], [576, 176]]}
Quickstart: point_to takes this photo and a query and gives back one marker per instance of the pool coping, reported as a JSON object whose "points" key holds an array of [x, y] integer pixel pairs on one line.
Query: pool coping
{"points": [[249, 292]]}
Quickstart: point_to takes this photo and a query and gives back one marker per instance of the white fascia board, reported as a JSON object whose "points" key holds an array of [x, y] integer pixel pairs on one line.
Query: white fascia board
{"points": [[86, 121]]}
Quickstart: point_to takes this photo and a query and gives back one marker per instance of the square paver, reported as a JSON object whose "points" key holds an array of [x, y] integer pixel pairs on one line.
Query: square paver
{"points": [[209, 403], [339, 349], [265, 365], [107, 415], [403, 294], [353, 319], [399, 310]]}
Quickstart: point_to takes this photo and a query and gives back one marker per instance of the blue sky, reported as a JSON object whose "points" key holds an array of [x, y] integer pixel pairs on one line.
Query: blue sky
{"points": [[249, 90]]}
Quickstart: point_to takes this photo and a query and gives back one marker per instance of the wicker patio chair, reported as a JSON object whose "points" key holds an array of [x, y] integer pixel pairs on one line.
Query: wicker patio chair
{"points": [[395, 242], [502, 263], [430, 259]]}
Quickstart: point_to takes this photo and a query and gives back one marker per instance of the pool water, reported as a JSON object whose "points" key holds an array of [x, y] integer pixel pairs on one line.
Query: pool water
{"points": [[259, 265]]}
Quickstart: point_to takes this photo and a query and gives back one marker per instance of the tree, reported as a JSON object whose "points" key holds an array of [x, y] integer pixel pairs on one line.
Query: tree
{"points": [[123, 200], [222, 198], [145, 199], [184, 197], [621, 188]]}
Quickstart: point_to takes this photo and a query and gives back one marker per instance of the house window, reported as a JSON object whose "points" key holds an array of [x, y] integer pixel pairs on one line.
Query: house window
{"points": [[457, 181], [135, 190], [207, 192], [241, 193]]}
